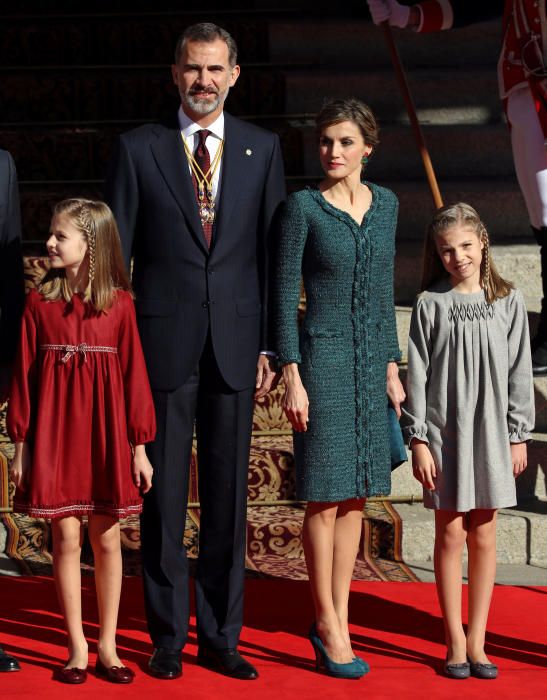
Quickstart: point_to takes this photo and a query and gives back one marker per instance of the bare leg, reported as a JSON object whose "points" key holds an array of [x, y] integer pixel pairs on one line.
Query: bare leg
{"points": [[347, 535], [318, 540], [481, 545], [104, 533], [450, 536], [67, 547]]}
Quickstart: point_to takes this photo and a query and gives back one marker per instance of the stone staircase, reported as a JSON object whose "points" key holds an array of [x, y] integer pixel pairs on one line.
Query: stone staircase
{"points": [[72, 79]]}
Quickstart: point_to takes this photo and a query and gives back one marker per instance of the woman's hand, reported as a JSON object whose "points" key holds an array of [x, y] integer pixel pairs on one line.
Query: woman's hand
{"points": [[395, 391], [295, 401], [423, 466], [519, 457], [20, 465], [142, 469]]}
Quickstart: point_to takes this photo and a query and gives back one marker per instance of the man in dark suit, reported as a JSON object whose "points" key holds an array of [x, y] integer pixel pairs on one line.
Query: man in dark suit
{"points": [[194, 202], [11, 295]]}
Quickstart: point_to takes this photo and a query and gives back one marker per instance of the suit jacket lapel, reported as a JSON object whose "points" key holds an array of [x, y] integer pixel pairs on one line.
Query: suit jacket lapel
{"points": [[168, 152], [233, 169]]}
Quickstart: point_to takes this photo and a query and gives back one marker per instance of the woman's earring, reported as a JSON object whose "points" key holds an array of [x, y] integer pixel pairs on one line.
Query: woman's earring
{"points": [[364, 160]]}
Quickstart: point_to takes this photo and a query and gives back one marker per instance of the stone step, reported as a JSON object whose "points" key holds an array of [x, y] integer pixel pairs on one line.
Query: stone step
{"points": [[143, 92], [483, 151], [358, 42], [130, 37], [146, 92], [122, 38], [521, 534], [70, 9], [274, 33], [498, 201], [37, 200], [506, 574], [470, 94], [83, 152]]}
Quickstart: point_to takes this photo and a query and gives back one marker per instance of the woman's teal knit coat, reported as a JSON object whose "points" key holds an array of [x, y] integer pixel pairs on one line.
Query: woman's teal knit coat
{"points": [[347, 338]]}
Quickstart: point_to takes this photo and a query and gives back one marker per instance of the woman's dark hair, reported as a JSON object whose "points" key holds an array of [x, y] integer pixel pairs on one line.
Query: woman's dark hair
{"points": [[348, 110]]}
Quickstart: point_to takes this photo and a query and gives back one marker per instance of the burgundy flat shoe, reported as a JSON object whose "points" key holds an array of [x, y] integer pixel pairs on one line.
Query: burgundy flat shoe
{"points": [[114, 674], [72, 676]]}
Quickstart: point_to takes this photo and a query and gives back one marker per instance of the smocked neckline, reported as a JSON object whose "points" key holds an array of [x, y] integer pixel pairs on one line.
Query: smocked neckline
{"points": [[343, 215]]}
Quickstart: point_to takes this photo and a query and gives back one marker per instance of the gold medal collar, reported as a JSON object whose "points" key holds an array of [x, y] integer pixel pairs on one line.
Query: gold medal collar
{"points": [[206, 200]]}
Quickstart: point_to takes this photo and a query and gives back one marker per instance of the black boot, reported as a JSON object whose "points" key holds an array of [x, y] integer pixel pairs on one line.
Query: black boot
{"points": [[539, 342]]}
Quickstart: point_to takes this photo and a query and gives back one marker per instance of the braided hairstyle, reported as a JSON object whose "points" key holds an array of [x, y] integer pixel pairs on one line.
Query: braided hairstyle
{"points": [[84, 221], [462, 214], [106, 269]]}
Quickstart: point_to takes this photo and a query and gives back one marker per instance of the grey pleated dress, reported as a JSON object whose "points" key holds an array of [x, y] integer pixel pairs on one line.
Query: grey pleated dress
{"points": [[469, 394]]}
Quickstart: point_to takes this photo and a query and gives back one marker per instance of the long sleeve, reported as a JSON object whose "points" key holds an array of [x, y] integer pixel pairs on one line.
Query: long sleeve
{"points": [[23, 393], [12, 295], [139, 407], [293, 232], [437, 15], [390, 327], [413, 419], [521, 409]]}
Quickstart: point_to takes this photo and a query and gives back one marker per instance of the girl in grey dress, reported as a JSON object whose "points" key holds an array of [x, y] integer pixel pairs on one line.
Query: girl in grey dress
{"points": [[468, 416]]}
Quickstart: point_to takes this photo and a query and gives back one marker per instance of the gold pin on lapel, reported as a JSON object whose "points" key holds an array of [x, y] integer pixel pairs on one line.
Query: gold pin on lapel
{"points": [[248, 152]]}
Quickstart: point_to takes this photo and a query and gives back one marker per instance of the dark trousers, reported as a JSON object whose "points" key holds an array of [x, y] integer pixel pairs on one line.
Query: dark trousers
{"points": [[223, 420]]}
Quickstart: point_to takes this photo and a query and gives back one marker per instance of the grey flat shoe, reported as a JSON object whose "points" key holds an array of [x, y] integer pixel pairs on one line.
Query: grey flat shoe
{"points": [[457, 671], [484, 671]]}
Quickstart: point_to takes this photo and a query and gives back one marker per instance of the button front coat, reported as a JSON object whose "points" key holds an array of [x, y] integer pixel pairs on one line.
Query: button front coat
{"points": [[346, 340]]}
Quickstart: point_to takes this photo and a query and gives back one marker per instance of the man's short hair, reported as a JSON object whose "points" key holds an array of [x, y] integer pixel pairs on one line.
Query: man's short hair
{"points": [[206, 32]]}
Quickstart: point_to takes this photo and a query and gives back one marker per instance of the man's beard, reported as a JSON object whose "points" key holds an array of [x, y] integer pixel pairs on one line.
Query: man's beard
{"points": [[204, 106]]}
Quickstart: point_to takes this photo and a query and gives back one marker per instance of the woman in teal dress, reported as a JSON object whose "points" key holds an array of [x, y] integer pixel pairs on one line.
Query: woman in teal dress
{"points": [[340, 368]]}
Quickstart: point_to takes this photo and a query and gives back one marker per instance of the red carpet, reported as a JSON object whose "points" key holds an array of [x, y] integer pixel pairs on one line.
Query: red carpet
{"points": [[397, 629]]}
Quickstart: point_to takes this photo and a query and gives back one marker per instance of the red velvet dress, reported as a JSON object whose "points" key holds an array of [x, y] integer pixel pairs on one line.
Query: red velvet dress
{"points": [[80, 397]]}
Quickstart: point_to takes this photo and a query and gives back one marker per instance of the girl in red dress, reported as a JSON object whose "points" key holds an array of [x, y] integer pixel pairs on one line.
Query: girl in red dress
{"points": [[79, 414]]}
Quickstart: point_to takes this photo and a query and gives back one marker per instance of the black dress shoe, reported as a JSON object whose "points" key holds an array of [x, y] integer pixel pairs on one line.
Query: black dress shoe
{"points": [[227, 661], [539, 360], [165, 664], [8, 663]]}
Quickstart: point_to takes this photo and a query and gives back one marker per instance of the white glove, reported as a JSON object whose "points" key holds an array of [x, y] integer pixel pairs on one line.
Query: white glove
{"points": [[382, 10]]}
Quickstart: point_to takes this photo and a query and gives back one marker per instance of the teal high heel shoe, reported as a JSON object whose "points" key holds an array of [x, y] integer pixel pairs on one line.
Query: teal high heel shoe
{"points": [[352, 670], [364, 665]]}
